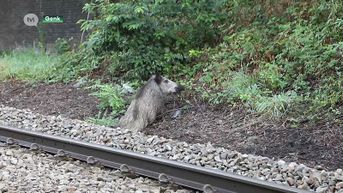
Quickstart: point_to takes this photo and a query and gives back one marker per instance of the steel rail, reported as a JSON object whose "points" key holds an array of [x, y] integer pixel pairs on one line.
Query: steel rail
{"points": [[168, 171]]}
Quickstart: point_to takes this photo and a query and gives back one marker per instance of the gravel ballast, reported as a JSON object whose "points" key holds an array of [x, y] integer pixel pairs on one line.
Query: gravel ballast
{"points": [[278, 171], [22, 170]]}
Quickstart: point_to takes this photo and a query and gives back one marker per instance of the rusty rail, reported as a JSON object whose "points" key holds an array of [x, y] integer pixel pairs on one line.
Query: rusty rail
{"points": [[166, 171]]}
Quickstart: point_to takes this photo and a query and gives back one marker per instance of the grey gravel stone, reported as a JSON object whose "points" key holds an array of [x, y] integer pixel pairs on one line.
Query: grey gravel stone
{"points": [[14, 161], [39, 173], [322, 189], [278, 171], [339, 185], [290, 181]]}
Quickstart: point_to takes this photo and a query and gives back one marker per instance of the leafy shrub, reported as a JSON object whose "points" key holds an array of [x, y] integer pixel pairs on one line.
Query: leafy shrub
{"points": [[148, 36], [268, 55], [62, 46], [279, 59], [111, 101], [110, 98], [73, 65]]}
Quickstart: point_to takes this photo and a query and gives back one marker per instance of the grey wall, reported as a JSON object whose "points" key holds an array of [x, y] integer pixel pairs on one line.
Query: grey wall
{"points": [[14, 33]]}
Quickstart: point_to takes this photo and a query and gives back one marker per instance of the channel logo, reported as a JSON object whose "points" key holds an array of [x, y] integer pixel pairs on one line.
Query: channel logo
{"points": [[31, 19]]}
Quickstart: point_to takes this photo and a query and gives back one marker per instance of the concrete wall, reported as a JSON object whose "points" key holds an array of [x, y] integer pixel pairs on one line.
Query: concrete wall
{"points": [[14, 33]]}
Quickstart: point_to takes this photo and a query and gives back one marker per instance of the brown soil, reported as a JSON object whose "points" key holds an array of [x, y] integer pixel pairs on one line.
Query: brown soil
{"points": [[237, 129], [230, 127], [54, 99]]}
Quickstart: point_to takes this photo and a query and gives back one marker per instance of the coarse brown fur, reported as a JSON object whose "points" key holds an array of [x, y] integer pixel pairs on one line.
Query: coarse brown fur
{"points": [[148, 103]]}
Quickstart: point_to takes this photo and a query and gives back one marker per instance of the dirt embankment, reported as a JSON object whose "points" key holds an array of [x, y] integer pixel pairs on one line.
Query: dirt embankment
{"points": [[230, 127]]}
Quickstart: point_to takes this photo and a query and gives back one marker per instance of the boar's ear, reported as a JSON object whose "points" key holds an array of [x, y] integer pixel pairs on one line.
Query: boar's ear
{"points": [[158, 78]]}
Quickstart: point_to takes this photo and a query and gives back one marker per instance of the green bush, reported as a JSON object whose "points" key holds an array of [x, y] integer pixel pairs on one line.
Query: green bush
{"points": [[279, 60], [62, 46], [110, 97], [148, 36], [268, 55], [75, 64]]}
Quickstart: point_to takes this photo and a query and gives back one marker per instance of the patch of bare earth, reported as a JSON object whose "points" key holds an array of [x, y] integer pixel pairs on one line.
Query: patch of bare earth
{"points": [[54, 99], [230, 127], [237, 129]]}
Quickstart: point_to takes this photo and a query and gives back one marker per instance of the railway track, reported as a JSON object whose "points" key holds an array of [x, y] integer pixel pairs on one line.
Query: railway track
{"points": [[166, 171]]}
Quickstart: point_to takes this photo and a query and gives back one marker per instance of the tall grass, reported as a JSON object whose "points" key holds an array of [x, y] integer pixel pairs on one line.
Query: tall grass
{"points": [[28, 65]]}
